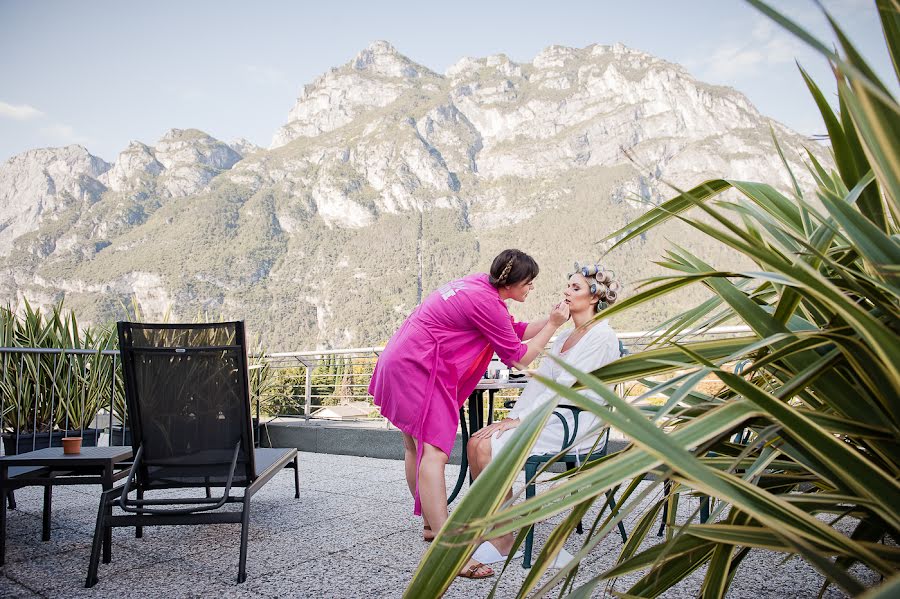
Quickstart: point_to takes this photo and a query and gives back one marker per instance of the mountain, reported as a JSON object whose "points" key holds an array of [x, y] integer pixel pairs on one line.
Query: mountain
{"points": [[386, 180]]}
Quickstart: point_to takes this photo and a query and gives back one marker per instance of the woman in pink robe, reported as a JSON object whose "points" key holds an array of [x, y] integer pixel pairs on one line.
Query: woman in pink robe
{"points": [[433, 362]]}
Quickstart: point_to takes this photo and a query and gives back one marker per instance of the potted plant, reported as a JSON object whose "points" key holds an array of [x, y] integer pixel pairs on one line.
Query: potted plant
{"points": [[46, 395]]}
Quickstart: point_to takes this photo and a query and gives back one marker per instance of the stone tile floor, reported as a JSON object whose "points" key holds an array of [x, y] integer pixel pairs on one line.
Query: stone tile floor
{"points": [[351, 534]]}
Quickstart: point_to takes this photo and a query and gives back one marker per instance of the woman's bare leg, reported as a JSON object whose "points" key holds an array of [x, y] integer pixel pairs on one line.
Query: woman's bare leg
{"points": [[433, 487], [480, 455], [433, 493], [409, 463]]}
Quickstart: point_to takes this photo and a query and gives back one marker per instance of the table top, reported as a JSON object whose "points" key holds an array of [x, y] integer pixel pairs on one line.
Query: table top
{"points": [[54, 456], [491, 384]]}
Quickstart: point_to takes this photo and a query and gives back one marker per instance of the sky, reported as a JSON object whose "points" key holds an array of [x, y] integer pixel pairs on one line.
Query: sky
{"points": [[104, 73]]}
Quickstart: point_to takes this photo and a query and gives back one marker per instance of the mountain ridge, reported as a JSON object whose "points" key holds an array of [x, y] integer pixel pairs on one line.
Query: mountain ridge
{"points": [[386, 180]]}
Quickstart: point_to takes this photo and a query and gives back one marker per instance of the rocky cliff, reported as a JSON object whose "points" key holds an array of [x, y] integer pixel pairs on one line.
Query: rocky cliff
{"points": [[386, 180]]}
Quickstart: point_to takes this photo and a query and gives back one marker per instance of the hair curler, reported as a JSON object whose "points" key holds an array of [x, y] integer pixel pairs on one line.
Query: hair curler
{"points": [[589, 271]]}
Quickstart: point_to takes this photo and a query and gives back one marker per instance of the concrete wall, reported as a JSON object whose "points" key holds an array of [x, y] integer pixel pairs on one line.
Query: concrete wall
{"points": [[351, 438]]}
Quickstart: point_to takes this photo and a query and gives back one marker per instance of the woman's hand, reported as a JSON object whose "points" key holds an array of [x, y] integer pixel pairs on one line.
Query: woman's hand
{"points": [[501, 426], [559, 314]]}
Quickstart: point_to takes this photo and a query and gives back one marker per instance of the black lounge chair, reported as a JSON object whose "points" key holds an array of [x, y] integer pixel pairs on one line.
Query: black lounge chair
{"points": [[188, 397]]}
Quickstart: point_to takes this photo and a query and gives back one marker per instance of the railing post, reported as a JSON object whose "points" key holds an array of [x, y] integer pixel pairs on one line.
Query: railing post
{"points": [[308, 392], [112, 402]]}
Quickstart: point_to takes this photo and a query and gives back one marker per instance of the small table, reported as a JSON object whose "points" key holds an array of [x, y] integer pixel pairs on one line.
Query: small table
{"points": [[476, 420], [50, 466]]}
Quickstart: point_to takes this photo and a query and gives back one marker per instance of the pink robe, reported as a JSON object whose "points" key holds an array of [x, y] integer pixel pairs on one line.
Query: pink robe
{"points": [[437, 356]]}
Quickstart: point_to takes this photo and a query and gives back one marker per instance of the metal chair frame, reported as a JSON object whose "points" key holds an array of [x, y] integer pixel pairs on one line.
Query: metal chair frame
{"points": [[571, 461]]}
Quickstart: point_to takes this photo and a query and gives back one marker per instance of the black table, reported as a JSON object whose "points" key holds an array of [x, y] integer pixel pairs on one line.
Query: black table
{"points": [[477, 420], [48, 467]]}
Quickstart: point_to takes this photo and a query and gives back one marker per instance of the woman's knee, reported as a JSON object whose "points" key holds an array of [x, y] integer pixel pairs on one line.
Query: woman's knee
{"points": [[480, 449], [409, 444], [485, 451], [433, 455]]}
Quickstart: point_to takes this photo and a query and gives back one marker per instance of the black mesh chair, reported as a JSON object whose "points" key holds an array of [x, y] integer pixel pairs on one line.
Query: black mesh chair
{"points": [[188, 397]]}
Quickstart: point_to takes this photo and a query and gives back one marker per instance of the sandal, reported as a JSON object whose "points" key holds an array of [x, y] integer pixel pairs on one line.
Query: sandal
{"points": [[476, 571], [427, 534]]}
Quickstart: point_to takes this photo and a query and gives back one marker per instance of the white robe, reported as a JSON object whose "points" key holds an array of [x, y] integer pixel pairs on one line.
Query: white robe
{"points": [[598, 347]]}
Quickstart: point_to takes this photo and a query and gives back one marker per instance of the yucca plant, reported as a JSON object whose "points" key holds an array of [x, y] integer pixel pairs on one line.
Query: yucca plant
{"points": [[43, 391], [805, 437], [94, 381]]}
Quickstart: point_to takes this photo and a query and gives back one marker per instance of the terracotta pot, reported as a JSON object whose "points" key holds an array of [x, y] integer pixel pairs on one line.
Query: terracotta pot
{"points": [[14, 444], [71, 445]]}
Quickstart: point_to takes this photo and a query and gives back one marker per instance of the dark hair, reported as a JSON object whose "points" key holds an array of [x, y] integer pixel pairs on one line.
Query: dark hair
{"points": [[511, 267]]}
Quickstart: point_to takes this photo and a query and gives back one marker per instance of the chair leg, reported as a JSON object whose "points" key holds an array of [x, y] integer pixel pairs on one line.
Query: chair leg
{"points": [[571, 465], [296, 478], [45, 517], [530, 471], [3, 497], [704, 509], [11, 498], [245, 529], [667, 490], [612, 505], [99, 533], [139, 530], [107, 535]]}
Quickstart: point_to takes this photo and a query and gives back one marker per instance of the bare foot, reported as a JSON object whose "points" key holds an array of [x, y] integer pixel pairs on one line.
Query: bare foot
{"points": [[475, 570], [428, 534]]}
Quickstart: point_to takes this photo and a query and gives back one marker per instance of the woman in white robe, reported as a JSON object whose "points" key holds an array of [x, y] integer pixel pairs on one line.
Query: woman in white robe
{"points": [[587, 346]]}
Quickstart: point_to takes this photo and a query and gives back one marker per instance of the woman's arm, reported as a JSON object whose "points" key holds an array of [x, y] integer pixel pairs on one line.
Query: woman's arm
{"points": [[558, 316], [493, 320], [534, 328]]}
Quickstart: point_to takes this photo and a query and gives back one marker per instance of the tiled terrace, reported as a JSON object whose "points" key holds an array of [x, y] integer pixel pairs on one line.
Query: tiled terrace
{"points": [[351, 534]]}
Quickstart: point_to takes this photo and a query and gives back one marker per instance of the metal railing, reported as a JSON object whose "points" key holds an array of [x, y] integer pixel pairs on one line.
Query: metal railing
{"points": [[333, 383], [46, 393], [45, 390], [323, 384]]}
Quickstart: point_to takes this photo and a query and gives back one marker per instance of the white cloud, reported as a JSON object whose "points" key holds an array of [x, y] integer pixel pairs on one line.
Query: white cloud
{"points": [[61, 133], [20, 112], [193, 94], [766, 46]]}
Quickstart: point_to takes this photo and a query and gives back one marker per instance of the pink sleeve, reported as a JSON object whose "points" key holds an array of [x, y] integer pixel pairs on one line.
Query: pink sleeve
{"points": [[519, 327], [493, 320]]}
